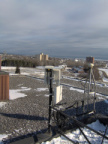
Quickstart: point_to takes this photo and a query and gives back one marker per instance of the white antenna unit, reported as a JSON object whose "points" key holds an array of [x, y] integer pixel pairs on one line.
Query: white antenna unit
{"points": [[57, 94]]}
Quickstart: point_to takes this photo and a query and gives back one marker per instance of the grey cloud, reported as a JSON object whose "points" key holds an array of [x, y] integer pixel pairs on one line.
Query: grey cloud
{"points": [[33, 26]]}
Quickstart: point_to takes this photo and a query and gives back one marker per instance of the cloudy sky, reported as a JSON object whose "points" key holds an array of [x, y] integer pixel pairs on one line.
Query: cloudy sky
{"points": [[57, 27]]}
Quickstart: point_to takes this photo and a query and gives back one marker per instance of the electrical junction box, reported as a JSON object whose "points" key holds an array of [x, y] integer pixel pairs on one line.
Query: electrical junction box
{"points": [[57, 94], [54, 73]]}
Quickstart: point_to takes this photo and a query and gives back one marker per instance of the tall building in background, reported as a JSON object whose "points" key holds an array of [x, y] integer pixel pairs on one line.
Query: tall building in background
{"points": [[43, 57]]}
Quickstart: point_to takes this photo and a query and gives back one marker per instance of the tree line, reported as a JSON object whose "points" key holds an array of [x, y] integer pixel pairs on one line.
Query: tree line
{"points": [[28, 63], [20, 63]]}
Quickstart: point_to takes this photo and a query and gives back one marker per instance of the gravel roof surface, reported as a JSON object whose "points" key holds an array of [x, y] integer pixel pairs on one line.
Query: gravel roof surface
{"points": [[30, 114], [80, 84]]}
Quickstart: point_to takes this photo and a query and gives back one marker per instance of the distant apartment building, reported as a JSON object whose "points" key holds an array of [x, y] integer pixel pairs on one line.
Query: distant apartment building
{"points": [[90, 59], [43, 57]]}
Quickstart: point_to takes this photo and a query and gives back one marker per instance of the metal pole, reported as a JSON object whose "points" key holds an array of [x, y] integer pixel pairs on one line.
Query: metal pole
{"points": [[94, 90], [76, 108], [89, 88], [84, 135], [50, 101], [104, 134], [83, 106], [68, 138]]}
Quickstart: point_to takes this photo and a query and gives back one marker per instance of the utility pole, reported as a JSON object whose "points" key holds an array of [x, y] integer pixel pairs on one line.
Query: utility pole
{"points": [[50, 98], [90, 86]]}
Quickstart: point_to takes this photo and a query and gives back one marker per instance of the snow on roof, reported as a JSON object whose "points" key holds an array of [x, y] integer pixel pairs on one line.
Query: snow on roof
{"points": [[14, 94]]}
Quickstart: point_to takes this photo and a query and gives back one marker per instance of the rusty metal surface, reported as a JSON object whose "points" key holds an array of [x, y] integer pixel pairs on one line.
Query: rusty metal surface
{"points": [[4, 86]]}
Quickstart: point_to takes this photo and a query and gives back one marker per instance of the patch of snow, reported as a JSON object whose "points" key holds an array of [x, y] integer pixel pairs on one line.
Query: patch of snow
{"points": [[12, 74], [46, 95], [24, 73], [100, 96], [103, 69], [42, 89], [8, 68], [25, 89], [2, 104], [17, 130], [106, 101], [40, 67], [97, 126], [75, 89], [71, 78], [2, 136], [102, 84], [14, 94], [105, 79]]}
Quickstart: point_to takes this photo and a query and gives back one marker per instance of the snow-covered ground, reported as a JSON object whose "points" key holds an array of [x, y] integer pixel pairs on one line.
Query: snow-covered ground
{"points": [[83, 81], [103, 69], [42, 89], [100, 96], [2, 136], [105, 80], [106, 71], [77, 136], [39, 71], [76, 89]]}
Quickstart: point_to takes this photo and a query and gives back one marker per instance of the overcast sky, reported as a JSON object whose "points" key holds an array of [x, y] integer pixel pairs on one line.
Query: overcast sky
{"points": [[53, 26]]}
